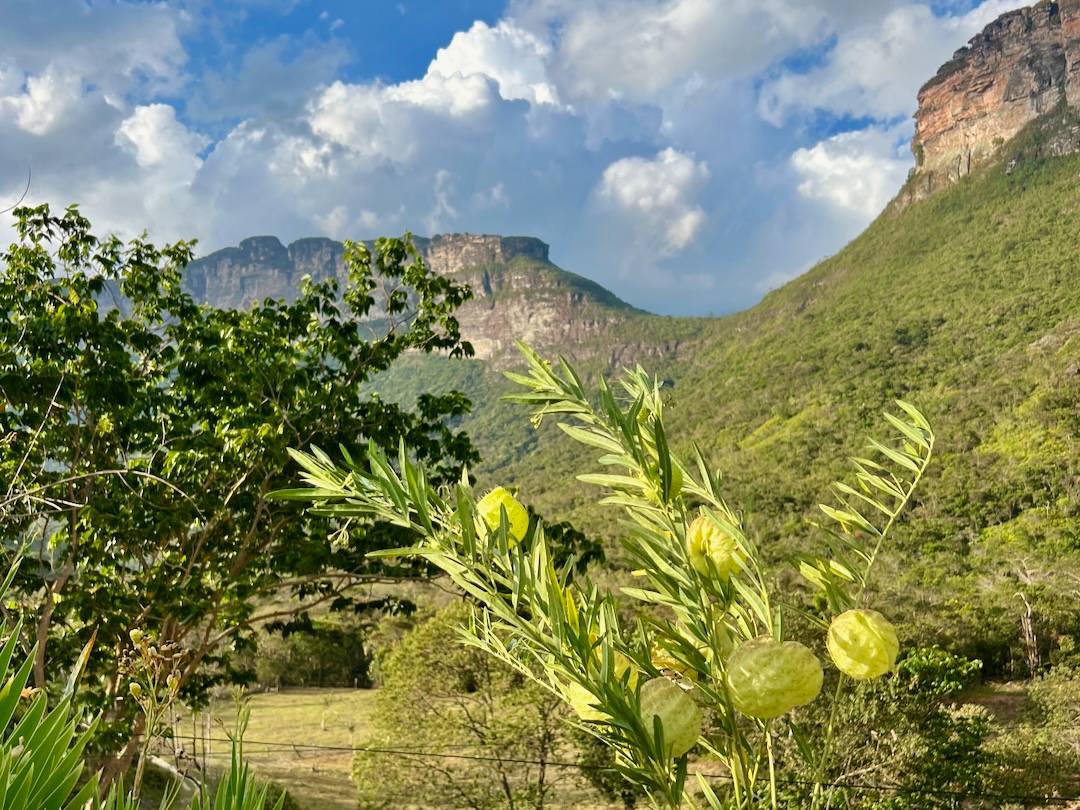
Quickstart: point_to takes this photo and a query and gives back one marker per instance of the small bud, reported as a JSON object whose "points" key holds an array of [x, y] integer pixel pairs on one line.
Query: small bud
{"points": [[517, 516], [768, 678], [679, 715], [173, 682], [863, 644], [135, 690], [136, 636], [712, 551]]}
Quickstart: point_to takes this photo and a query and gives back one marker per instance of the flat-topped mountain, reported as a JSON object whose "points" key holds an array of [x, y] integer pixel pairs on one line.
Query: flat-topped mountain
{"points": [[518, 293], [1024, 64]]}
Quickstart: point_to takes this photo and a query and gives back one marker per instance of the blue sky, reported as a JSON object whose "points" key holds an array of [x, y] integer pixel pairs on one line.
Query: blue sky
{"points": [[688, 154]]}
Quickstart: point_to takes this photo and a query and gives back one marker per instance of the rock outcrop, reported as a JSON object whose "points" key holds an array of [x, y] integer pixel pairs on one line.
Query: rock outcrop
{"points": [[1023, 65], [518, 294]]}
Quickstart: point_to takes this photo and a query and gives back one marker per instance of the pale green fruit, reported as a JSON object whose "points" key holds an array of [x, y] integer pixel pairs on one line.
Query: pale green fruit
{"points": [[707, 543], [679, 715], [863, 644], [490, 510], [769, 678]]}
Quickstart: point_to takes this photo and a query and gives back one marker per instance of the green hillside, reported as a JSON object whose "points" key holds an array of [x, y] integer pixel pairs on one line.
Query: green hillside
{"points": [[966, 304]]}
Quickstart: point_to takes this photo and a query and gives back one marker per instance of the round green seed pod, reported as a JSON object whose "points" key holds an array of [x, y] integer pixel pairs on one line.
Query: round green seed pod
{"points": [[679, 715], [863, 644], [489, 508], [707, 543], [769, 678]]}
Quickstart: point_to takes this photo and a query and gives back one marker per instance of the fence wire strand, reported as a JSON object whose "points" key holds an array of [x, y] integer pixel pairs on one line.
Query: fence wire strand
{"points": [[857, 786]]}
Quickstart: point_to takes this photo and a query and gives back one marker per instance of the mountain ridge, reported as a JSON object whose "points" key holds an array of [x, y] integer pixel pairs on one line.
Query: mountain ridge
{"points": [[1022, 65], [517, 290]]}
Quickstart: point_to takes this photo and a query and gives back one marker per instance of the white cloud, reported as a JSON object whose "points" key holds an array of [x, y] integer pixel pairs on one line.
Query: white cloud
{"points": [[638, 49], [856, 172], [272, 80], [876, 68], [116, 48], [514, 58], [154, 136], [384, 123], [456, 95], [47, 99], [443, 211], [657, 197]]}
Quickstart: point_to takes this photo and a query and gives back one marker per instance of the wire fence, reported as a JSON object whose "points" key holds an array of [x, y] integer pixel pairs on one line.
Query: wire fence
{"points": [[273, 747]]}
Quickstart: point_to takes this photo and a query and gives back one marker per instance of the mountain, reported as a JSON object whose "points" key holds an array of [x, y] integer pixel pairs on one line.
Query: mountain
{"points": [[963, 297], [1023, 65], [518, 293]]}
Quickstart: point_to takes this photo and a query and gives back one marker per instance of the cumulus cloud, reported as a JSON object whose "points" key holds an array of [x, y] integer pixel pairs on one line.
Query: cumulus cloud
{"points": [[637, 50], [154, 136], [272, 79], [875, 68], [856, 172], [116, 48], [515, 59], [47, 98], [657, 198]]}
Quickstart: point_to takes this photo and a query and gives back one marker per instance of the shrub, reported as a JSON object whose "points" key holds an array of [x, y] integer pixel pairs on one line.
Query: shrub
{"points": [[327, 655], [1040, 755], [456, 699]]}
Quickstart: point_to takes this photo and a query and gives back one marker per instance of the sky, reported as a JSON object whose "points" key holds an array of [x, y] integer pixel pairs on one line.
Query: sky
{"points": [[690, 155]]}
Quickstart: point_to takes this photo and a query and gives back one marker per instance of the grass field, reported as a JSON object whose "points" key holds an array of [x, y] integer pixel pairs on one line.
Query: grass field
{"points": [[282, 723]]}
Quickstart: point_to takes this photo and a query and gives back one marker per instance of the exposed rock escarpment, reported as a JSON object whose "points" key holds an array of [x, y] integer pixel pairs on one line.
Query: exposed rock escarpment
{"points": [[518, 294], [1023, 65]]}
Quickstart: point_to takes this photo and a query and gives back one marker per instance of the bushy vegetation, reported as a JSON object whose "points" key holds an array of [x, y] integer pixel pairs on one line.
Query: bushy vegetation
{"points": [[714, 636], [708, 664], [43, 749], [440, 696]]}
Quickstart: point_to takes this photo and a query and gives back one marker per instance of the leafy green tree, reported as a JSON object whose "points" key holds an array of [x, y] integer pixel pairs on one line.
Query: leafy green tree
{"points": [[142, 432], [440, 696]]}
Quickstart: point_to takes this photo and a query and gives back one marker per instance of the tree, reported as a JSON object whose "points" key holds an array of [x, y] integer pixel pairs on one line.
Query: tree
{"points": [[150, 428], [457, 699]]}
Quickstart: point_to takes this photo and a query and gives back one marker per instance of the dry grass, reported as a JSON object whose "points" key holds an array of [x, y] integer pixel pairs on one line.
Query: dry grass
{"points": [[282, 723]]}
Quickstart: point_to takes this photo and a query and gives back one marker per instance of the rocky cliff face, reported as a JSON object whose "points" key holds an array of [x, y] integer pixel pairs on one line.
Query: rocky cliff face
{"points": [[518, 294], [1023, 65]]}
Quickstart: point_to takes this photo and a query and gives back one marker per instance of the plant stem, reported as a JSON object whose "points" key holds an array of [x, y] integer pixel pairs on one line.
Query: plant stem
{"points": [[772, 765], [826, 751], [892, 519], [139, 768]]}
